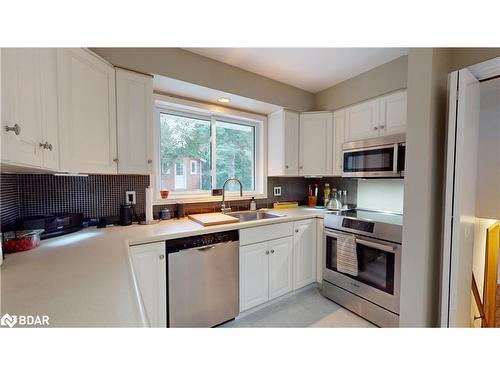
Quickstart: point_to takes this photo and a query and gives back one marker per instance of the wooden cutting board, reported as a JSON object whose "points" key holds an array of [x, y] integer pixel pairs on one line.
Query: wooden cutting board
{"points": [[215, 218]]}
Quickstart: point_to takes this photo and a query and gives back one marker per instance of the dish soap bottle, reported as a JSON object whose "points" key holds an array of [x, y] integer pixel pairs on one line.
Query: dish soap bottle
{"points": [[253, 205]]}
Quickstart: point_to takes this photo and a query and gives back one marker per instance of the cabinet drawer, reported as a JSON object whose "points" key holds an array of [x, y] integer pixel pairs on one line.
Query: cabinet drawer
{"points": [[265, 233]]}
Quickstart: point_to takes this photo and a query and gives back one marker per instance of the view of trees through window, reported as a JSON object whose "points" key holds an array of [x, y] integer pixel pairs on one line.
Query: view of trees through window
{"points": [[186, 149]]}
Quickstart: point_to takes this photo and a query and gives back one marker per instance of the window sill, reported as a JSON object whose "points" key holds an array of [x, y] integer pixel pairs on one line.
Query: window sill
{"points": [[206, 198]]}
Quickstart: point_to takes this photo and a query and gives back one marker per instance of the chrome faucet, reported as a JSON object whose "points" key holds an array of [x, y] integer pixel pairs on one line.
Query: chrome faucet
{"points": [[223, 208]]}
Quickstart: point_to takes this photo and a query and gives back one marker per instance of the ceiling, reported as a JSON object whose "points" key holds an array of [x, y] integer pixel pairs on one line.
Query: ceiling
{"points": [[311, 69]]}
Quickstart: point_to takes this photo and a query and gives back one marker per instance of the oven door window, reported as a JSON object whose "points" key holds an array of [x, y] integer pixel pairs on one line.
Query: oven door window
{"points": [[379, 160], [375, 267]]}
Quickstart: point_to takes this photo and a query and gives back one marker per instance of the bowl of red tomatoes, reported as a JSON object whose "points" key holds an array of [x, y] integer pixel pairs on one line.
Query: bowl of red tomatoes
{"points": [[21, 240]]}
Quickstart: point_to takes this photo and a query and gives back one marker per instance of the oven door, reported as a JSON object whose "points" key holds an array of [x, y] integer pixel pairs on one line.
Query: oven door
{"points": [[379, 268], [377, 161]]}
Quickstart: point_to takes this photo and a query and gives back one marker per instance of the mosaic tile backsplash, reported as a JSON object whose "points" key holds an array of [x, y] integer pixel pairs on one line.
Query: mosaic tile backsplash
{"points": [[101, 195]]}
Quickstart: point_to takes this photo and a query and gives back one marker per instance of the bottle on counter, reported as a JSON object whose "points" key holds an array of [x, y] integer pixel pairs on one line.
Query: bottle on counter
{"points": [[253, 204], [326, 193]]}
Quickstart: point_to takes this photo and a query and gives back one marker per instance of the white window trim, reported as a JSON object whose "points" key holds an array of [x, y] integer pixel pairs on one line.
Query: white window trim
{"points": [[207, 111], [195, 163]]}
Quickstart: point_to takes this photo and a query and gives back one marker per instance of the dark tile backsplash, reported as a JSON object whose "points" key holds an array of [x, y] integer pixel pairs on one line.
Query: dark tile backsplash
{"points": [[101, 195]]}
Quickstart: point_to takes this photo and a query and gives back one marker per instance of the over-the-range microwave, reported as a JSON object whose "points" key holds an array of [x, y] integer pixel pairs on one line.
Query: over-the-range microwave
{"points": [[375, 157]]}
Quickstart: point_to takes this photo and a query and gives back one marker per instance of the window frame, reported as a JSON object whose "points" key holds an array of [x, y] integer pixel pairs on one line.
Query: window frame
{"points": [[203, 111]]}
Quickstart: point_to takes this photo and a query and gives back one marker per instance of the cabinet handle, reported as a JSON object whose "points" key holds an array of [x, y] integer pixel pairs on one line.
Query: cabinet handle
{"points": [[272, 251], [16, 129], [286, 166], [46, 146], [301, 167], [267, 252], [150, 161], [296, 231], [115, 160], [162, 256], [375, 127]]}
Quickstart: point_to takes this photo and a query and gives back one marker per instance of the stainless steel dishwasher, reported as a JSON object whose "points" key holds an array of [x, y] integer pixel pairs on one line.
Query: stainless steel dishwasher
{"points": [[202, 280]]}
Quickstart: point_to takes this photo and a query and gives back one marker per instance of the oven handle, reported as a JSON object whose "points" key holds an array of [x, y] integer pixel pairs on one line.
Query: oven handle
{"points": [[376, 245]]}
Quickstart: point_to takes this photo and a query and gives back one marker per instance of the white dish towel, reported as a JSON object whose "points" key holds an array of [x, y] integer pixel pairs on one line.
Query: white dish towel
{"points": [[347, 259]]}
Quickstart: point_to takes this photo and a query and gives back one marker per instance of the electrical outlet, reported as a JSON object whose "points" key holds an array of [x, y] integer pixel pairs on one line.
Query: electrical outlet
{"points": [[130, 197], [277, 191]]}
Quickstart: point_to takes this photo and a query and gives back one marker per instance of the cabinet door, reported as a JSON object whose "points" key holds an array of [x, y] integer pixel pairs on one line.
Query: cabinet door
{"points": [[49, 116], [150, 273], [254, 275], [315, 144], [87, 112], [291, 140], [134, 119], [21, 106], [393, 113], [362, 121], [280, 266], [320, 232], [338, 139], [304, 248]]}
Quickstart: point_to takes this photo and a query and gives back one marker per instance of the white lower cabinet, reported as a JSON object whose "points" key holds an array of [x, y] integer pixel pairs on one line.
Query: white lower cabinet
{"points": [[265, 271], [149, 265], [304, 253]]}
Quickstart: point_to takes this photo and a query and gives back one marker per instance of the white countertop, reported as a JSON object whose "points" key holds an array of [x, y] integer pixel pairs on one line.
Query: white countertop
{"points": [[85, 279]]}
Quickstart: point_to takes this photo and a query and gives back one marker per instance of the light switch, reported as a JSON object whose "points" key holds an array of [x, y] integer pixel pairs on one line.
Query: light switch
{"points": [[277, 191]]}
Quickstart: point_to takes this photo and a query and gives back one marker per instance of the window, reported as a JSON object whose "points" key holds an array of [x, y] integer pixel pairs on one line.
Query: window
{"points": [[205, 150], [194, 167]]}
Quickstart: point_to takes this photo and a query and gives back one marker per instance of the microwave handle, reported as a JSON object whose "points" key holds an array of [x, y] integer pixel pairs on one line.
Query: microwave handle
{"points": [[376, 245], [395, 160]]}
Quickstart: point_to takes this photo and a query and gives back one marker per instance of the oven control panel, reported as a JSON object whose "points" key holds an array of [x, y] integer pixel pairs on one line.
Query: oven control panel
{"points": [[363, 226]]}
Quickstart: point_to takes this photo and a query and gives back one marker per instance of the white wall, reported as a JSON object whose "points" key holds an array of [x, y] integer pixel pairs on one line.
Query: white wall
{"points": [[385, 195], [488, 166]]}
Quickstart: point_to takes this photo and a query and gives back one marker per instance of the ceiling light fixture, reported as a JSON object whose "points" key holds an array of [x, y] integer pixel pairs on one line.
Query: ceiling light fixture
{"points": [[223, 100]]}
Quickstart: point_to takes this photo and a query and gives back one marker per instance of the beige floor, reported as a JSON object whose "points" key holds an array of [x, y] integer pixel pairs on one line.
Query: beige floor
{"points": [[307, 308]]}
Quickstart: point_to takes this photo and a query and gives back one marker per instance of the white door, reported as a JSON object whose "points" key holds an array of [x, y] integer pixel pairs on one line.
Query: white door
{"points": [[280, 267], [362, 121], [49, 110], [338, 139], [461, 164], [315, 144], [87, 112], [393, 113], [304, 249], [134, 121], [254, 275], [180, 175], [21, 113], [291, 139], [150, 273]]}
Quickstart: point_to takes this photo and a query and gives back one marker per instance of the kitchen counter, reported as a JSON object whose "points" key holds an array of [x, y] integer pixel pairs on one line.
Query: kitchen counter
{"points": [[85, 279]]}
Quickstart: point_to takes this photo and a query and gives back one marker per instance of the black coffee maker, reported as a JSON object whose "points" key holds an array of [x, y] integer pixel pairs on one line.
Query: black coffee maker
{"points": [[126, 214]]}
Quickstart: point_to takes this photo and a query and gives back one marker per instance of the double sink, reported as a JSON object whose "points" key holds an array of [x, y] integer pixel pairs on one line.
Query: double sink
{"points": [[254, 215]]}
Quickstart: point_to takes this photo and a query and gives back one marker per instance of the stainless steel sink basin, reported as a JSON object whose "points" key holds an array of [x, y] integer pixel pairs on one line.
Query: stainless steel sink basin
{"points": [[254, 215]]}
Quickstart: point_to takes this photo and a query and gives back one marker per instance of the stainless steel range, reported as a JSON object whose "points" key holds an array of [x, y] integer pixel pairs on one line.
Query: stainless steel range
{"points": [[362, 263]]}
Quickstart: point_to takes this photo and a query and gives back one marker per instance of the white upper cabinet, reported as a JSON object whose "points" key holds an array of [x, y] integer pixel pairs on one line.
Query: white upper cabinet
{"points": [[29, 107], [338, 139], [304, 249], [87, 113], [393, 113], [377, 117], [283, 143], [316, 144], [134, 120], [362, 120]]}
